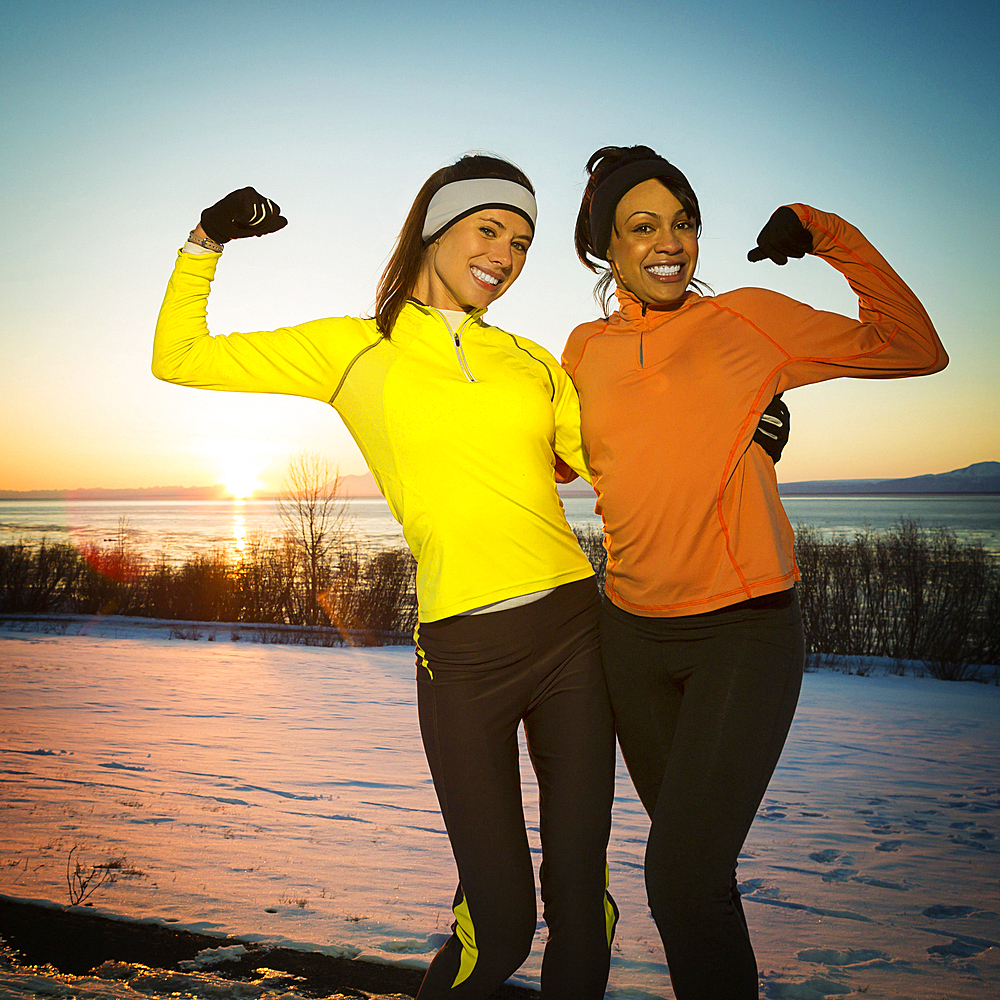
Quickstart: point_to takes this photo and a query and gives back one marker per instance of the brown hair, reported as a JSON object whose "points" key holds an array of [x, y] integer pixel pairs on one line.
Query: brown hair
{"points": [[400, 274], [600, 166]]}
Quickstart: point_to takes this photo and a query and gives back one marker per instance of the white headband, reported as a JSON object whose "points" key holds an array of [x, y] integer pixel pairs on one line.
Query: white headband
{"points": [[458, 199]]}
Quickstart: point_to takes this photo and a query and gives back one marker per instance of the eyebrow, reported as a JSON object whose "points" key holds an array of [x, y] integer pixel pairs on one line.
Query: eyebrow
{"points": [[643, 211], [500, 225]]}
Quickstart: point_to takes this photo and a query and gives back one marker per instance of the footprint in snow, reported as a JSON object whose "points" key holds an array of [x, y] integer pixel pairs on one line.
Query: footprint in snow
{"points": [[880, 883], [965, 842], [940, 911], [810, 989], [957, 949], [831, 956], [824, 857], [830, 855], [889, 845], [772, 812], [839, 874]]}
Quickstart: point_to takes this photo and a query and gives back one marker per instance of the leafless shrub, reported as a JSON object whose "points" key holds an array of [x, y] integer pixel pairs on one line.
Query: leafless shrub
{"points": [[83, 882], [910, 593], [592, 542], [314, 515]]}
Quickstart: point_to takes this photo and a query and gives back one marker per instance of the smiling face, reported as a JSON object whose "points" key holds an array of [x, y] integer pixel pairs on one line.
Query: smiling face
{"points": [[474, 261], [654, 245]]}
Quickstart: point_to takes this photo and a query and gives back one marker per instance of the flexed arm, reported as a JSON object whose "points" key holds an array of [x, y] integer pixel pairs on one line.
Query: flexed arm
{"points": [[893, 336], [301, 360]]}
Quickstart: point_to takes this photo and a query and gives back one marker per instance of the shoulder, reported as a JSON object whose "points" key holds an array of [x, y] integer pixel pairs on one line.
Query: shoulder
{"points": [[519, 344], [750, 302], [346, 329], [576, 344]]}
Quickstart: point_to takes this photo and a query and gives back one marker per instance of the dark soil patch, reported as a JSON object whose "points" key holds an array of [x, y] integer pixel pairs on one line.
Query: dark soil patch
{"points": [[77, 942]]}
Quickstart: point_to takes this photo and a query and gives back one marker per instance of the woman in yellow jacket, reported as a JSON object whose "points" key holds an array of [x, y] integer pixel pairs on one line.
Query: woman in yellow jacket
{"points": [[460, 423], [701, 632]]}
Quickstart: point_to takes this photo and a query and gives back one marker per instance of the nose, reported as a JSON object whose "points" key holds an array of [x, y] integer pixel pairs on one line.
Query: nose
{"points": [[668, 242], [500, 254]]}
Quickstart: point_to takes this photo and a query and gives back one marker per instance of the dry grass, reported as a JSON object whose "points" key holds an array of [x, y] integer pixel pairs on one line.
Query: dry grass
{"points": [[910, 593]]}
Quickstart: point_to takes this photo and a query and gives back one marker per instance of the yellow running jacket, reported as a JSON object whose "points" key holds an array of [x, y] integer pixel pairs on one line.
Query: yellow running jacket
{"points": [[459, 430]]}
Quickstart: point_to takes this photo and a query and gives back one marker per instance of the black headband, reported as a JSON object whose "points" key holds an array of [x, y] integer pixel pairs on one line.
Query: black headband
{"points": [[615, 186]]}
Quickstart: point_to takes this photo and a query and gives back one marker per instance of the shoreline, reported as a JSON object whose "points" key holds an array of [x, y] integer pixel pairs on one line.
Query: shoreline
{"points": [[77, 942]]}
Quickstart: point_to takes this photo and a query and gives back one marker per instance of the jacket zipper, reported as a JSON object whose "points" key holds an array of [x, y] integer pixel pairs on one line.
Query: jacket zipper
{"points": [[460, 354], [641, 335], [456, 336]]}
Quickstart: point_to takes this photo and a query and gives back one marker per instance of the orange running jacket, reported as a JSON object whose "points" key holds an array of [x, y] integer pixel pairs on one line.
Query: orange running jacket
{"points": [[670, 403]]}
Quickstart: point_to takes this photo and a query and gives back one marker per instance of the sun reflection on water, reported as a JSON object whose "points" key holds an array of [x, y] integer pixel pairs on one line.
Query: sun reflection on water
{"points": [[239, 528]]}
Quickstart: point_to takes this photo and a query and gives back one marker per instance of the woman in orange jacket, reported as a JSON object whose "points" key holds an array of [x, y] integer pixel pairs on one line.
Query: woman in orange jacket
{"points": [[701, 631]]}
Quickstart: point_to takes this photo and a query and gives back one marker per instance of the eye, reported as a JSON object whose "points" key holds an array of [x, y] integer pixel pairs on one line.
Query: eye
{"points": [[520, 247], [684, 224], [487, 231], [643, 228]]}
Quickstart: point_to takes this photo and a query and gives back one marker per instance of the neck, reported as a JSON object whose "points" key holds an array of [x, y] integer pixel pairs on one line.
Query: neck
{"points": [[432, 293]]}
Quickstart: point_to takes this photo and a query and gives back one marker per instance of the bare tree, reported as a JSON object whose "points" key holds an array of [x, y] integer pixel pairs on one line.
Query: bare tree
{"points": [[314, 515]]}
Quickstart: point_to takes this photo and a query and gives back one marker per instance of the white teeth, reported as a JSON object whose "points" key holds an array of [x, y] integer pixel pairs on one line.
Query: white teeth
{"points": [[664, 270], [483, 276]]}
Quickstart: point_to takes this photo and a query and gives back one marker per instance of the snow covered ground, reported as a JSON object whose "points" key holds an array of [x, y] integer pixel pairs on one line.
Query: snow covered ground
{"points": [[280, 793]]}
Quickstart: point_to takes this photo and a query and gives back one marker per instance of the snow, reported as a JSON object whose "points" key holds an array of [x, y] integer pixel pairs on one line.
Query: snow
{"points": [[280, 794]]}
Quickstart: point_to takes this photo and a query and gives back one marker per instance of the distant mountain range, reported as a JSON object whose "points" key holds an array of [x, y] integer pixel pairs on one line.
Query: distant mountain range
{"points": [[982, 477]]}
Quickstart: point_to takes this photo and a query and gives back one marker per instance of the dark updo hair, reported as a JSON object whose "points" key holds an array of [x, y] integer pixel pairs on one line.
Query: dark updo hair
{"points": [[400, 274], [600, 167]]}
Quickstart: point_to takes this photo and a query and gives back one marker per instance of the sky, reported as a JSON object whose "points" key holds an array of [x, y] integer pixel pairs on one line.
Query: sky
{"points": [[122, 121]]}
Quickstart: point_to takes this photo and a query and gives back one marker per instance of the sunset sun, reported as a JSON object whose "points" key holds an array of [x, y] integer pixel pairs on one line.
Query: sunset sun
{"points": [[240, 483]]}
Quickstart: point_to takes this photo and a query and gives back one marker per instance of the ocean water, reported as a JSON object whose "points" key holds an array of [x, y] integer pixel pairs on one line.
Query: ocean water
{"points": [[180, 529]]}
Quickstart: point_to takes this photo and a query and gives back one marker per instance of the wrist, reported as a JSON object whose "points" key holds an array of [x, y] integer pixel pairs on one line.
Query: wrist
{"points": [[200, 238]]}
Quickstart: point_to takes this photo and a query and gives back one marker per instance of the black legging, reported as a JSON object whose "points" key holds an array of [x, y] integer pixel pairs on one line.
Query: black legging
{"points": [[478, 676], [702, 705]]}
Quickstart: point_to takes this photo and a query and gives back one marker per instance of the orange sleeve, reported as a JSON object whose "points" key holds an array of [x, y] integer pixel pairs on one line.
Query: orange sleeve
{"points": [[893, 336]]}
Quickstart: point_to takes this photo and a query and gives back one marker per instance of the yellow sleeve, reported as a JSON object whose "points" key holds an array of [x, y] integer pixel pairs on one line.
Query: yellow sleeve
{"points": [[306, 360], [569, 436]]}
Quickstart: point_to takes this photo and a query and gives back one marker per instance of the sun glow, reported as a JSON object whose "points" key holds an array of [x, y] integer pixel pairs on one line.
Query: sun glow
{"points": [[240, 483]]}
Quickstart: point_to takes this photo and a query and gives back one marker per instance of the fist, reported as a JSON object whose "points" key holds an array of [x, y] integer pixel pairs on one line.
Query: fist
{"points": [[784, 236], [242, 213]]}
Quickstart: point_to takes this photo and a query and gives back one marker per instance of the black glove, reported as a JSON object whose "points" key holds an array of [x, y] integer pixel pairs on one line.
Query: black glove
{"points": [[772, 430], [241, 213], [783, 237]]}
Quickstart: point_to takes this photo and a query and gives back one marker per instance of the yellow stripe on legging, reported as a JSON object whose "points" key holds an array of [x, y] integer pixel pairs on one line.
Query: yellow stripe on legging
{"points": [[467, 935], [421, 655], [610, 909]]}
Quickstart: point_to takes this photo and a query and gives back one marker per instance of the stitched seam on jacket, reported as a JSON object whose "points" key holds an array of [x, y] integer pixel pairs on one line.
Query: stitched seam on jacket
{"points": [[347, 370], [552, 381], [583, 349]]}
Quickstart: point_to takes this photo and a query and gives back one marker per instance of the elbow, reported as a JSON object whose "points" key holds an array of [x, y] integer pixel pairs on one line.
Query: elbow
{"points": [[936, 362], [161, 370]]}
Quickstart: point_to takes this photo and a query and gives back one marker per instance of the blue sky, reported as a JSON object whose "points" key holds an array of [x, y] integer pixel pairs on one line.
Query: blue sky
{"points": [[122, 121]]}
